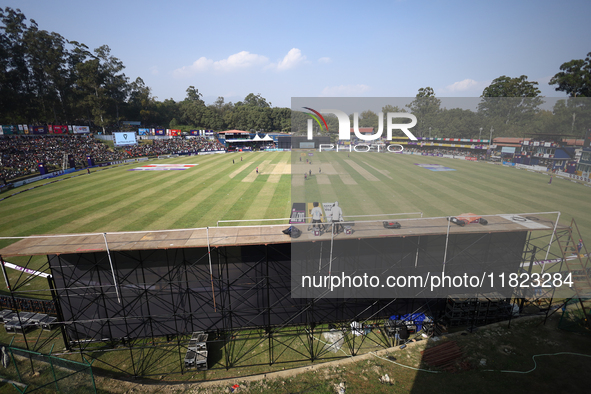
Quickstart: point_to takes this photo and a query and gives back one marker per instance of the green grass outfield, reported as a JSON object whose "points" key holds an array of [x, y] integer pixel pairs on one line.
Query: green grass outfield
{"points": [[117, 199]]}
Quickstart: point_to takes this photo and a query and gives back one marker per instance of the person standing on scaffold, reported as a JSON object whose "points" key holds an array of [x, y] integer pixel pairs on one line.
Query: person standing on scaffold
{"points": [[337, 216], [316, 216]]}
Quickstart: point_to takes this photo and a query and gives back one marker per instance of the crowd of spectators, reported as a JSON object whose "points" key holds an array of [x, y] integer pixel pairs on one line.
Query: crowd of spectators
{"points": [[20, 155]]}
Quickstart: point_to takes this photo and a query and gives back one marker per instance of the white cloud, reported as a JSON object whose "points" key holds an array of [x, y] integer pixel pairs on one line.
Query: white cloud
{"points": [[462, 86], [293, 58], [240, 60], [154, 70], [324, 60], [344, 90]]}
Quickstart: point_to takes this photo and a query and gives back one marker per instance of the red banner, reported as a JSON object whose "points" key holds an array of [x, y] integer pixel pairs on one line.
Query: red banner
{"points": [[58, 129]]}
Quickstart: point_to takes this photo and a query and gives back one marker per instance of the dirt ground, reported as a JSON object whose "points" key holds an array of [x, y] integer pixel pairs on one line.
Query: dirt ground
{"points": [[494, 347]]}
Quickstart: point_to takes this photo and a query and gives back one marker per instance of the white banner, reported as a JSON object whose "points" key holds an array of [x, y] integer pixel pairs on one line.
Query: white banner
{"points": [[80, 129], [122, 139]]}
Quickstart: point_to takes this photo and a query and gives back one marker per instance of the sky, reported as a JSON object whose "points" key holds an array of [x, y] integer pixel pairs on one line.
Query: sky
{"points": [[325, 48]]}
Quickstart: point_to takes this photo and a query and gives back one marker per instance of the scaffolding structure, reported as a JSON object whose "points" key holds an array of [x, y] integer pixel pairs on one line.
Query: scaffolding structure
{"points": [[115, 294]]}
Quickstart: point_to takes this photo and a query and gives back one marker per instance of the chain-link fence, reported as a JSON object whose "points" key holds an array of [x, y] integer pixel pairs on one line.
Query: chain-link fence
{"points": [[29, 371]]}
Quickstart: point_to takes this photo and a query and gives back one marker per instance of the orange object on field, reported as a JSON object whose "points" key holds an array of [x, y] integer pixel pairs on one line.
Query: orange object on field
{"points": [[469, 217]]}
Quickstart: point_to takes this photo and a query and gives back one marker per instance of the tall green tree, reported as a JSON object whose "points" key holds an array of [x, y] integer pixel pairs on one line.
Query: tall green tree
{"points": [[509, 105], [256, 101], [141, 104], [574, 78], [15, 87], [102, 86], [48, 60], [425, 107], [192, 109]]}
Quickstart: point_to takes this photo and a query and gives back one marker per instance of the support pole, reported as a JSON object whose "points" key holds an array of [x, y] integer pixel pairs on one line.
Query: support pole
{"points": [[550, 243], [331, 246], [14, 306], [58, 310], [210, 270], [112, 269], [446, 242]]}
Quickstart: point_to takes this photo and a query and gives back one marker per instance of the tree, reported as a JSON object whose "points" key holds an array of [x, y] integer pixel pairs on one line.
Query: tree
{"points": [[192, 109], [510, 104], [256, 101], [141, 103], [425, 107], [48, 60], [102, 86], [504, 86], [574, 78], [193, 95], [15, 91]]}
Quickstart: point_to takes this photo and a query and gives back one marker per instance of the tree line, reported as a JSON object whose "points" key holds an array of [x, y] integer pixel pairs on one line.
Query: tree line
{"points": [[508, 107], [48, 79]]}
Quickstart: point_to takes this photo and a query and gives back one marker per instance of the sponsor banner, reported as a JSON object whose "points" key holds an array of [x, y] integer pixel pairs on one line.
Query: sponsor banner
{"points": [[507, 163], [210, 152], [432, 154], [9, 129], [80, 129], [573, 176], [38, 130], [123, 139], [449, 156], [159, 132], [26, 270], [163, 167], [471, 158], [195, 132], [434, 167], [455, 139], [40, 177], [298, 213], [173, 132], [57, 129], [143, 131]]}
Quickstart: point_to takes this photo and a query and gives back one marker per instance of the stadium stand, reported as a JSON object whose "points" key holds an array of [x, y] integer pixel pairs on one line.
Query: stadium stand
{"points": [[19, 155]]}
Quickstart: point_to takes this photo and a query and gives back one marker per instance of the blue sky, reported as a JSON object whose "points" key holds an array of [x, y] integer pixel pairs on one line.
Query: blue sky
{"points": [[317, 49]]}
